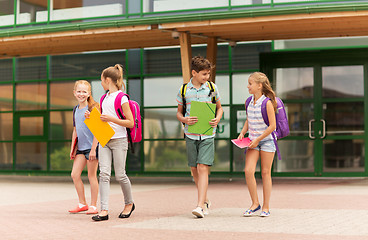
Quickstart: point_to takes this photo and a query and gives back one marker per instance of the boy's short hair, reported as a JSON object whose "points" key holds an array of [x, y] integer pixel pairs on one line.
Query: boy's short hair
{"points": [[200, 63]]}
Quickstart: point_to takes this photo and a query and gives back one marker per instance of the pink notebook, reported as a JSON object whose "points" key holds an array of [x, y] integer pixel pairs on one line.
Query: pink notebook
{"points": [[243, 143]]}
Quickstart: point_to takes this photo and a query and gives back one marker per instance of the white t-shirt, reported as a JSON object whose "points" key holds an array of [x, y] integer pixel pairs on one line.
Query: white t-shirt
{"points": [[109, 109]]}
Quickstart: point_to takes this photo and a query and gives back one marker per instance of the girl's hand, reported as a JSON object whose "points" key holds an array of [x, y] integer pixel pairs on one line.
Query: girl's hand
{"points": [[92, 155], [241, 136], [86, 114], [191, 120], [106, 118], [214, 122], [254, 143]]}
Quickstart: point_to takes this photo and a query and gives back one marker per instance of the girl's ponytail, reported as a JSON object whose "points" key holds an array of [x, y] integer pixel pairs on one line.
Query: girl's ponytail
{"points": [[115, 73], [119, 81]]}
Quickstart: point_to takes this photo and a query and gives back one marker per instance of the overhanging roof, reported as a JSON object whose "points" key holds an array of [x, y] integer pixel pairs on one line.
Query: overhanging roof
{"points": [[270, 24]]}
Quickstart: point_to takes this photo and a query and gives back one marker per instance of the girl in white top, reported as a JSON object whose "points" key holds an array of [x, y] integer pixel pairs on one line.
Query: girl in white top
{"points": [[116, 149], [262, 145]]}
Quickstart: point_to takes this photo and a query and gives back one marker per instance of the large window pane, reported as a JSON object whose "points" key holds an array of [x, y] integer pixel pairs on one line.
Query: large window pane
{"points": [[160, 61], [223, 128], [31, 68], [222, 83], [6, 69], [344, 118], [246, 56], [165, 156], [299, 115], [6, 98], [343, 81], [59, 157], [222, 157], [297, 156], [6, 155], [7, 13], [31, 126], [29, 10], [61, 95], [162, 123], [161, 91], [172, 5], [84, 65], [239, 88], [31, 96], [344, 155], [294, 83], [6, 126], [61, 125], [64, 9], [31, 155]]}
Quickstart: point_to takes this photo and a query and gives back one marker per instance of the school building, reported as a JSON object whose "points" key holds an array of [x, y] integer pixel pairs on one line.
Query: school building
{"points": [[314, 52]]}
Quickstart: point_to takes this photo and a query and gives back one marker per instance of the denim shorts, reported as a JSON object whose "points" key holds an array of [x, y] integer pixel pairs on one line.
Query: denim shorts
{"points": [[86, 153], [266, 146]]}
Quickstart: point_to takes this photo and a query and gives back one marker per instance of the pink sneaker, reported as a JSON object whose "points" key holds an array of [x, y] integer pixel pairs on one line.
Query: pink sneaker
{"points": [[92, 210], [78, 209]]}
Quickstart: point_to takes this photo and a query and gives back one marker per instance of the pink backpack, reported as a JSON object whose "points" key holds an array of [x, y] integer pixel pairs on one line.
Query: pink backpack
{"points": [[134, 133]]}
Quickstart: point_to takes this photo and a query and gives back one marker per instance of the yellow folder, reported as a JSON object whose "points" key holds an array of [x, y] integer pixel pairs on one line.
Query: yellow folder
{"points": [[101, 130]]}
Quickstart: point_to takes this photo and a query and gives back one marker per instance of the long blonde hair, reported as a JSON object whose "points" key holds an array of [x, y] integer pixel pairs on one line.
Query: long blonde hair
{"points": [[91, 102], [116, 75], [261, 78]]}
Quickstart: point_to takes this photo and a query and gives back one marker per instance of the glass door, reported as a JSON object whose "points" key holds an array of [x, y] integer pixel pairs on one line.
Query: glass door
{"points": [[325, 107], [296, 87], [343, 118]]}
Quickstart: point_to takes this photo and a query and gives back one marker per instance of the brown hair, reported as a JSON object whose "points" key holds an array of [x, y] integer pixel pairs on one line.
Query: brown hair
{"points": [[91, 102], [261, 78], [116, 75], [200, 63]]}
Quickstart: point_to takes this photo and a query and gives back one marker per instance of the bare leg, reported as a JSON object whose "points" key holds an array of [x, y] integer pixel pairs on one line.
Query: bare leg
{"points": [[92, 166], [202, 184], [250, 168], [266, 164], [79, 163]]}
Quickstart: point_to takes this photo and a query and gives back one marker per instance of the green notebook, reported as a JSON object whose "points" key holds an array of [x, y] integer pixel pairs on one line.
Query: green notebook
{"points": [[205, 112]]}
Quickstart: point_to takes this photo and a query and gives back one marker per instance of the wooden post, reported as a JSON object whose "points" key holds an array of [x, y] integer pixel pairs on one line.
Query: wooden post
{"points": [[212, 55], [186, 55]]}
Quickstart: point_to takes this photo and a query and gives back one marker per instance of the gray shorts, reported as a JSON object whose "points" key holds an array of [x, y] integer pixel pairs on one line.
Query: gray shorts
{"points": [[200, 151]]}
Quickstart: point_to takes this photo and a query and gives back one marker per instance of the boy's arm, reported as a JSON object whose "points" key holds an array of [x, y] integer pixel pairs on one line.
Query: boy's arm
{"points": [[214, 122], [186, 120]]}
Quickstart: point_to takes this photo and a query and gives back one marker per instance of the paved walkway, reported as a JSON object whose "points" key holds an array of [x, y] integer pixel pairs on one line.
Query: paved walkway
{"points": [[36, 208]]}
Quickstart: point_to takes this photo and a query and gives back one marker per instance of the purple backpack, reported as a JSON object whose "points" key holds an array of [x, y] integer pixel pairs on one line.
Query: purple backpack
{"points": [[134, 133], [282, 124]]}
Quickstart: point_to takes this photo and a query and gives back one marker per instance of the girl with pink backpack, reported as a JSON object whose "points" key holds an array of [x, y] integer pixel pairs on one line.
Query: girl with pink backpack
{"points": [[116, 149]]}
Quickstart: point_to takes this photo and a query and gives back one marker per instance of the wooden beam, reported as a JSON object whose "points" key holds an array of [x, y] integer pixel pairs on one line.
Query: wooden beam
{"points": [[186, 55], [212, 55]]}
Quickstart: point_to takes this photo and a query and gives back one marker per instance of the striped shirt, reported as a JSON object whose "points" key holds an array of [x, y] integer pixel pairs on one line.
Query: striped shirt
{"points": [[200, 95], [256, 125]]}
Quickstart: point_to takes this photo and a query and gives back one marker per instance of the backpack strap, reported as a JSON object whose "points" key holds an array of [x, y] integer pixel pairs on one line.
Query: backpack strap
{"points": [[120, 113], [183, 91], [247, 103], [74, 109], [101, 100], [212, 90], [265, 119]]}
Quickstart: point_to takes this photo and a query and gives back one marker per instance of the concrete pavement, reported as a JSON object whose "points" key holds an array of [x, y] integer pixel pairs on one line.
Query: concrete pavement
{"points": [[36, 208]]}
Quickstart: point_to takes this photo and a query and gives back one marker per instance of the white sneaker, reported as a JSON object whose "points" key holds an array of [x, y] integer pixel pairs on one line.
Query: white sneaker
{"points": [[206, 208], [198, 212]]}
